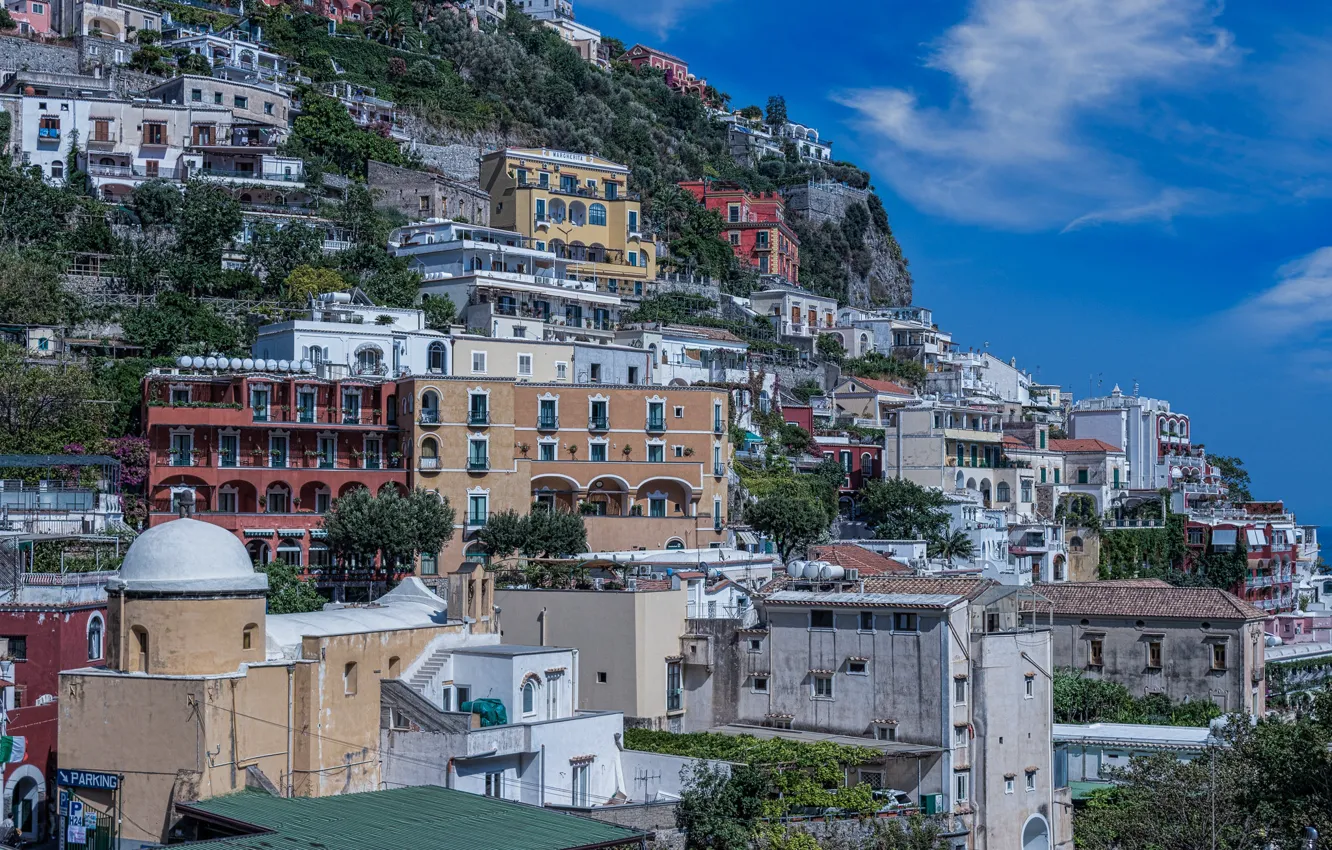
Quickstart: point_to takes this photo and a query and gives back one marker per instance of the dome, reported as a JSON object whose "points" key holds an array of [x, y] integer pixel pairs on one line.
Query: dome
{"points": [[188, 556]]}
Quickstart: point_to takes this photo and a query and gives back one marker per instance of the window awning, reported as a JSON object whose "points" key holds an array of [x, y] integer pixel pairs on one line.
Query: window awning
{"points": [[1256, 537], [1224, 538]]}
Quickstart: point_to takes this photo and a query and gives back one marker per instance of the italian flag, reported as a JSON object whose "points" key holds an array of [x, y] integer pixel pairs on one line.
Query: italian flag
{"points": [[12, 748]]}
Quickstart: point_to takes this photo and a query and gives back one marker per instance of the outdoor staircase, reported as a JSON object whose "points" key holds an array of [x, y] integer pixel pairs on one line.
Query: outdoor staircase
{"points": [[425, 679]]}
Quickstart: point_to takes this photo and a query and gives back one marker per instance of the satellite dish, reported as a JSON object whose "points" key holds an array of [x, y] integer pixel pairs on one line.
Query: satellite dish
{"points": [[247, 363], [184, 362], [198, 362]]}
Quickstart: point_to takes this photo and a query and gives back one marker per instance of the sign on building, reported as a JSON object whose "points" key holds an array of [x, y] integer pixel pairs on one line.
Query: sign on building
{"points": [[87, 779]]}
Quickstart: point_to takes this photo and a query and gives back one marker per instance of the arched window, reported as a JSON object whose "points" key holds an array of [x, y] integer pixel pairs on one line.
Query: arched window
{"points": [[675, 543], [765, 402], [1075, 545], [289, 552], [57, 170], [141, 645], [435, 358], [1002, 492], [867, 463], [596, 214], [247, 636], [349, 678], [395, 667], [429, 453], [95, 632], [368, 359], [529, 696]]}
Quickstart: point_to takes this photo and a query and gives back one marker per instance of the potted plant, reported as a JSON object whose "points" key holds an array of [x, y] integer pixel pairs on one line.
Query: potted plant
{"points": [[573, 452], [295, 501], [689, 451], [636, 510], [627, 450], [263, 501], [524, 448]]}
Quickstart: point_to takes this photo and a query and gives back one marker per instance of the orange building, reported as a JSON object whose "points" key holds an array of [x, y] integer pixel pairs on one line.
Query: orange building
{"points": [[755, 226]]}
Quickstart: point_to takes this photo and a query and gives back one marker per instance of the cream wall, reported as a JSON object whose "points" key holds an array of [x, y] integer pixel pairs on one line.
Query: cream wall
{"points": [[502, 358], [185, 636]]}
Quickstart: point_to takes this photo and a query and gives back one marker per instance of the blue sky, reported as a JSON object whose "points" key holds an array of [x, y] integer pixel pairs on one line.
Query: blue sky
{"points": [[1130, 191]]}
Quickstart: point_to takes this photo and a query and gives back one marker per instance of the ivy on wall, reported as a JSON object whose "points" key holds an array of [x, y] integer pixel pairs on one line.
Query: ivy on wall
{"points": [[1288, 680]]}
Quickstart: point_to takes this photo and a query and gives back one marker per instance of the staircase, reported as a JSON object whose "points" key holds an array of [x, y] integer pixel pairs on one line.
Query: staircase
{"points": [[425, 678]]}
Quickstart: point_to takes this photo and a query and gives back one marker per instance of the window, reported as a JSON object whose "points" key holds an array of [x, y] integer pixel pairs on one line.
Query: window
{"points": [[247, 636], [867, 621], [580, 795], [429, 565], [904, 621], [561, 371], [521, 174], [733, 213], [1154, 654], [755, 644], [1096, 656], [196, 95], [596, 452], [1042, 475], [820, 619], [657, 506], [349, 678], [594, 373], [1218, 656], [217, 97], [823, 687], [226, 501], [241, 102], [760, 684], [656, 453], [633, 374], [1026, 489], [596, 214], [734, 237], [478, 362], [495, 784], [268, 107], [1030, 686], [761, 239], [960, 691], [885, 733], [601, 678], [1008, 785], [960, 739], [141, 642], [524, 365], [529, 697], [95, 632], [1031, 780], [154, 134], [546, 451], [1056, 475], [478, 508], [1002, 492], [674, 686], [960, 787], [856, 667]]}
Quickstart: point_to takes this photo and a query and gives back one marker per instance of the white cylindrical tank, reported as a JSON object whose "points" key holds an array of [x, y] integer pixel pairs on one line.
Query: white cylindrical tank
{"points": [[812, 570], [270, 365], [795, 569], [284, 365], [247, 363], [830, 572], [236, 363], [185, 362], [211, 362]]}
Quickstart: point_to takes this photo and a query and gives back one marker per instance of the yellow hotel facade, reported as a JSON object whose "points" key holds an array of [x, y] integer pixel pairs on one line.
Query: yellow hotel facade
{"points": [[577, 205]]}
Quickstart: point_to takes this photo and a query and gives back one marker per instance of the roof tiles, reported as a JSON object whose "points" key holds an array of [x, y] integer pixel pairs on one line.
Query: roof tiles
{"points": [[853, 556], [1144, 599]]}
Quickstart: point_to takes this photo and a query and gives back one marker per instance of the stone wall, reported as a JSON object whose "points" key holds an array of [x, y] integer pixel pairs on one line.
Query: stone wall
{"points": [[20, 54], [820, 202], [649, 817], [404, 189]]}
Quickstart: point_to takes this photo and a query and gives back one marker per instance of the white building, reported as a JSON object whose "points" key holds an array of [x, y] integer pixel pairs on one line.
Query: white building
{"points": [[907, 332], [501, 282], [1145, 428], [794, 311], [234, 53], [346, 334], [808, 144], [987, 529]]}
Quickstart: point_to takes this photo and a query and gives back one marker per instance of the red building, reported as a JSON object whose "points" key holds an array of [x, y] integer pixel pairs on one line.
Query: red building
{"points": [[755, 226], [1266, 535], [54, 622], [264, 454], [677, 70]]}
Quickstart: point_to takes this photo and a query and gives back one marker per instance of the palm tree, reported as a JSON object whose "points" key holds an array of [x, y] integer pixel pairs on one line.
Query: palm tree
{"points": [[952, 546], [389, 25]]}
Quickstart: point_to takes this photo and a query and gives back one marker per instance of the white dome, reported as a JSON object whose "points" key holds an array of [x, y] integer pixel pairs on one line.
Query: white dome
{"points": [[188, 556]]}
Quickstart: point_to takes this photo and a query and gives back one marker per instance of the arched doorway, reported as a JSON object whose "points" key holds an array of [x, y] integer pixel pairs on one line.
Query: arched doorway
{"points": [[27, 791], [258, 550], [1036, 834]]}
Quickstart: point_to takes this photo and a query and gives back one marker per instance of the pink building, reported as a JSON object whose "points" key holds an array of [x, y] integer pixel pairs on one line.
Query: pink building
{"points": [[677, 70], [32, 16], [1301, 627]]}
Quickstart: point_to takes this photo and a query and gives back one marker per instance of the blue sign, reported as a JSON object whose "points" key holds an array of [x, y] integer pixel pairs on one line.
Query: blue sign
{"points": [[87, 779]]}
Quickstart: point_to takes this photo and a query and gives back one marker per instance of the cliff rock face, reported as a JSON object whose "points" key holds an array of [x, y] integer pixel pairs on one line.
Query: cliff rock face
{"points": [[847, 247], [888, 283]]}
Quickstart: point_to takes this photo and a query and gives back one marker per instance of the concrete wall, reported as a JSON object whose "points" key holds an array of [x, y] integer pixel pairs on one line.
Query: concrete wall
{"points": [[421, 195], [710, 695], [184, 636], [1186, 656], [614, 364], [657, 776]]}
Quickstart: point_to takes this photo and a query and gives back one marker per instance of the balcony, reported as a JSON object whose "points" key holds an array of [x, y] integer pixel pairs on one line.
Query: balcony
{"points": [[598, 423], [478, 463], [476, 519], [429, 416], [718, 426], [478, 418], [427, 463], [548, 423], [656, 425], [718, 469], [261, 414]]}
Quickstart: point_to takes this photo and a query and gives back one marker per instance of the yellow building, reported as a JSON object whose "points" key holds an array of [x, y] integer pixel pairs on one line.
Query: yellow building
{"points": [[202, 689], [577, 205]]}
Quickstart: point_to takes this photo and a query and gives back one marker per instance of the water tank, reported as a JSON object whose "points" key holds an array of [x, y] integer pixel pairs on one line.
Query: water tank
{"points": [[184, 362], [284, 365], [307, 366], [795, 569], [236, 363], [247, 363], [270, 365], [198, 362], [811, 571], [830, 572], [336, 297], [211, 362]]}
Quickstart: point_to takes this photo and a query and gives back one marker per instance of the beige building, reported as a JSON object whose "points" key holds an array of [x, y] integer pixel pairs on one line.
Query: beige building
{"points": [[639, 671], [579, 206], [202, 688], [252, 105]]}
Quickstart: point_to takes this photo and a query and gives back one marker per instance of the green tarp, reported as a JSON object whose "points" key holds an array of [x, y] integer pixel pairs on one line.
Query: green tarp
{"points": [[491, 710]]}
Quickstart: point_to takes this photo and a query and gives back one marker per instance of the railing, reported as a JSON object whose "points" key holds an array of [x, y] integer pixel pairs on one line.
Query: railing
{"points": [[263, 460], [250, 175], [1258, 581], [478, 417], [719, 469], [718, 426], [656, 425], [478, 464], [429, 416], [548, 423], [475, 519], [428, 463], [598, 423]]}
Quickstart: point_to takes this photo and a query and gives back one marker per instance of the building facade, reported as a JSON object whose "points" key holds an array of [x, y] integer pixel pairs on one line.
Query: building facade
{"points": [[423, 195], [755, 226]]}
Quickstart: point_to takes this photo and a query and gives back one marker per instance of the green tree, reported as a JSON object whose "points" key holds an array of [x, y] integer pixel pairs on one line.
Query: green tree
{"points": [[289, 592], [209, 219], [831, 347], [504, 533], [753, 112], [361, 525], [1234, 476], [276, 252], [792, 520], [776, 116], [178, 324], [390, 25], [903, 510], [307, 281], [439, 312], [951, 546], [43, 409], [194, 63], [156, 202], [30, 290], [325, 130], [7, 21], [720, 808], [554, 533]]}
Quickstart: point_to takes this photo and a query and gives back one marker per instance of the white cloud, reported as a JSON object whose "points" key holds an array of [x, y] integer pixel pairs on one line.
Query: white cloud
{"points": [[1301, 301], [660, 16], [1163, 208], [1013, 147]]}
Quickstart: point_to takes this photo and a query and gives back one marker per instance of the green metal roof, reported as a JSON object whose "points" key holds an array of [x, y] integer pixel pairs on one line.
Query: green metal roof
{"points": [[425, 817]]}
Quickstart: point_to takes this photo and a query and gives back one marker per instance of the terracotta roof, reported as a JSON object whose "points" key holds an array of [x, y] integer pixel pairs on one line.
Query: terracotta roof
{"points": [[708, 333], [1121, 599], [1014, 443], [853, 556], [965, 587], [884, 386], [1083, 446]]}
